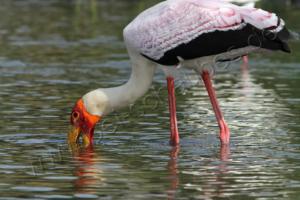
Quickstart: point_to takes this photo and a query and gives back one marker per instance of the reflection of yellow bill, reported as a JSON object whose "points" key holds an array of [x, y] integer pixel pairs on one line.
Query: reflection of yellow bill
{"points": [[73, 136]]}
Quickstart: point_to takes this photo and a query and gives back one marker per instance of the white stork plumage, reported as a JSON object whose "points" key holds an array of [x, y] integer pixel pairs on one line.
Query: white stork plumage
{"points": [[191, 33]]}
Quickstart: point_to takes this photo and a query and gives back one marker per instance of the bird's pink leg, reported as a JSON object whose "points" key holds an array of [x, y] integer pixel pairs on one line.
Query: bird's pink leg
{"points": [[174, 137], [246, 59], [245, 64], [224, 130]]}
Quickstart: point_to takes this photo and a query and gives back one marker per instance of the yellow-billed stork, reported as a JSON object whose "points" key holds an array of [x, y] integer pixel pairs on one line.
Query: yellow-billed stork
{"points": [[194, 34]]}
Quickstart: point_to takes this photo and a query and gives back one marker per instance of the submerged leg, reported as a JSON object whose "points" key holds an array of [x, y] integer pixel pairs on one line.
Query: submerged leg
{"points": [[245, 64], [174, 137], [224, 130], [246, 59]]}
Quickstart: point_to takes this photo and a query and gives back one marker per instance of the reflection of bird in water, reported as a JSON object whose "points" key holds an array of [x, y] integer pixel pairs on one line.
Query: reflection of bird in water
{"points": [[210, 177], [91, 179], [90, 175], [88, 168], [174, 171], [195, 34]]}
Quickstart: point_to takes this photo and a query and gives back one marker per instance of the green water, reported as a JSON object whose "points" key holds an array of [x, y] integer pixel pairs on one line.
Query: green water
{"points": [[52, 52]]}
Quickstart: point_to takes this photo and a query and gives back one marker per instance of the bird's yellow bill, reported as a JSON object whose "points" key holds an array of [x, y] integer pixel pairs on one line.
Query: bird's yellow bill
{"points": [[85, 140], [73, 136]]}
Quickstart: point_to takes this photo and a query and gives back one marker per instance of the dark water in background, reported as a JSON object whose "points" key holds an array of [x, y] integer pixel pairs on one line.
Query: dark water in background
{"points": [[52, 52]]}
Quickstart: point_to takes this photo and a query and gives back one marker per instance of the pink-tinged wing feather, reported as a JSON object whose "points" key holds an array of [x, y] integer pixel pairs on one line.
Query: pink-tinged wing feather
{"points": [[175, 22], [261, 19]]}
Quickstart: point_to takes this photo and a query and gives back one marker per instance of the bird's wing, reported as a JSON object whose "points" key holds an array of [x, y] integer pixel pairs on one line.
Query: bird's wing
{"points": [[175, 22]]}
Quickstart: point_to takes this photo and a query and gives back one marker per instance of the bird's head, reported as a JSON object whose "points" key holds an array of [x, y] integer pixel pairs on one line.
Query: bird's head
{"points": [[85, 114], [82, 123]]}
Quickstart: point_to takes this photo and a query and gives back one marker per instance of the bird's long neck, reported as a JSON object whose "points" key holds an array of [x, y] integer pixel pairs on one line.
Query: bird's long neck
{"points": [[124, 95], [138, 84]]}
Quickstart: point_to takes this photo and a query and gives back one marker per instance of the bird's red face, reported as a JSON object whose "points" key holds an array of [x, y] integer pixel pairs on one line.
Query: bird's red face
{"points": [[82, 122]]}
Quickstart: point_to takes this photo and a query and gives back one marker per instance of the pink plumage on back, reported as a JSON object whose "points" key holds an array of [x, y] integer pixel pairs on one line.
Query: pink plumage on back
{"points": [[174, 22]]}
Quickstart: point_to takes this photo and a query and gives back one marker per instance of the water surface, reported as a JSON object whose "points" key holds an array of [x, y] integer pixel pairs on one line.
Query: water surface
{"points": [[53, 52]]}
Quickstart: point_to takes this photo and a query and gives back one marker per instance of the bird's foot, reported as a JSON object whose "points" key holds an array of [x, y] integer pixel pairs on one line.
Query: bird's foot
{"points": [[174, 139], [224, 132]]}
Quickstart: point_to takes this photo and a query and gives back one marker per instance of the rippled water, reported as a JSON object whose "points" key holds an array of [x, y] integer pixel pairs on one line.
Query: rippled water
{"points": [[52, 52]]}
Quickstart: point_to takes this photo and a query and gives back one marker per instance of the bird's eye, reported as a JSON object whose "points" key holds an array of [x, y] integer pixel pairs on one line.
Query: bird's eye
{"points": [[75, 115]]}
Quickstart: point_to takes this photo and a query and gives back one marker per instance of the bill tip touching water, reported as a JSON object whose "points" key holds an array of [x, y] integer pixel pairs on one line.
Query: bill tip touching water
{"points": [[204, 32], [82, 122]]}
